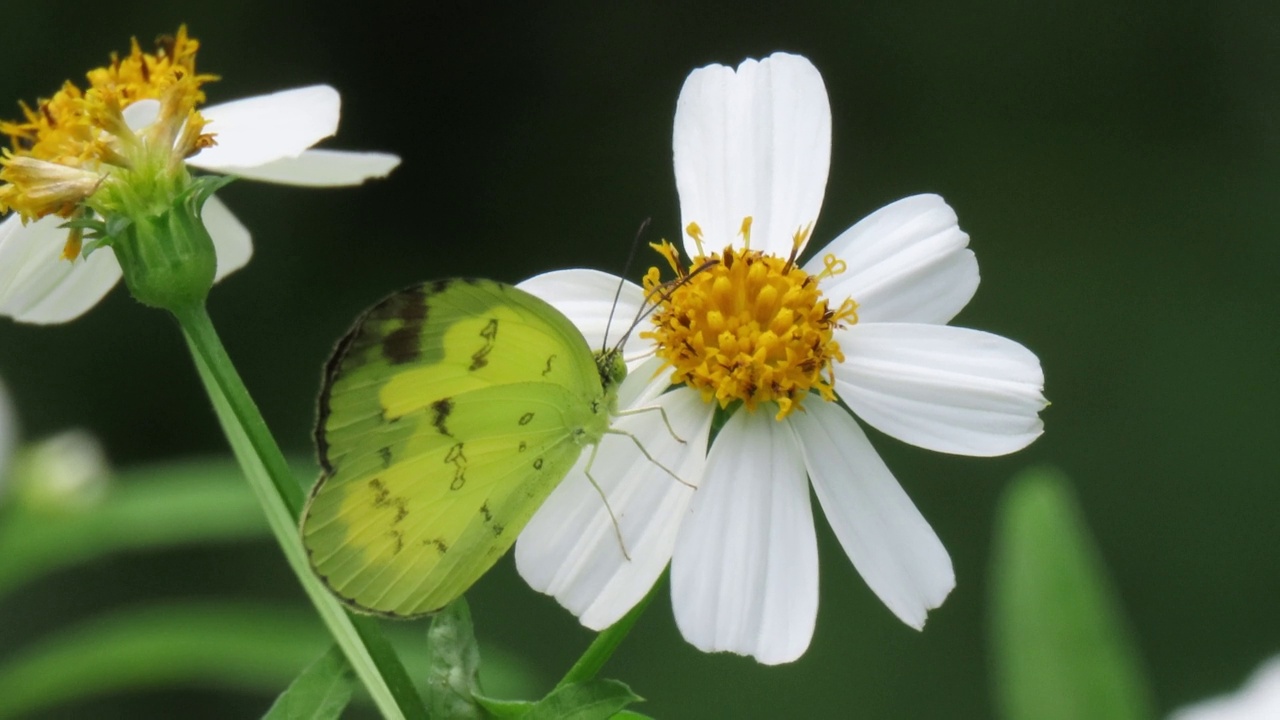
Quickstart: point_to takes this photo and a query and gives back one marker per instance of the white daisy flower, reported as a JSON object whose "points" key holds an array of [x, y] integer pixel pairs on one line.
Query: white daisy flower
{"points": [[776, 343], [1259, 699], [138, 114]]}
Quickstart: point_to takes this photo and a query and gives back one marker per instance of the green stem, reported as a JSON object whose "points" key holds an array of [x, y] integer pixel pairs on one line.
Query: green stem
{"points": [[281, 498], [601, 649]]}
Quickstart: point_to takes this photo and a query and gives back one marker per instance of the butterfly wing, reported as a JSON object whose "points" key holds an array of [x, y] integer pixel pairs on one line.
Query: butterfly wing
{"points": [[449, 412]]}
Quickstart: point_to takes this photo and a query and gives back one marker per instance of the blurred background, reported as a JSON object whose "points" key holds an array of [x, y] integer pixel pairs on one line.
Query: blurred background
{"points": [[1116, 165]]}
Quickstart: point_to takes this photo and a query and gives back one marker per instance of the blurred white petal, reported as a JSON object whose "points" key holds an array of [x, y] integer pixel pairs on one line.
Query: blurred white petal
{"points": [[942, 388], [37, 285], [886, 537], [322, 168], [1258, 699], [907, 262], [231, 239], [258, 130], [752, 143], [744, 575], [141, 114]]}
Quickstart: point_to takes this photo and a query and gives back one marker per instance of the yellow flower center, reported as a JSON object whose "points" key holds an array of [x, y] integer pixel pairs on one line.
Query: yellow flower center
{"points": [[746, 326], [71, 145]]}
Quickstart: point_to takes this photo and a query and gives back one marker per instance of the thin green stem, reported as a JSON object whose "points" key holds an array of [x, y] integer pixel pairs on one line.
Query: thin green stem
{"points": [[361, 639], [602, 648]]}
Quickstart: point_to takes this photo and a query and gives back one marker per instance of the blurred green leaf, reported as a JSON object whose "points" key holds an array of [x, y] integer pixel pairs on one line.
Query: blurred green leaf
{"points": [[151, 507], [249, 647], [1061, 648], [252, 647], [453, 664], [321, 692]]}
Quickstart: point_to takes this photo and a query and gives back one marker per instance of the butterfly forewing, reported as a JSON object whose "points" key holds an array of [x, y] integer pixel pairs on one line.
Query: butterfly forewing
{"points": [[440, 340], [450, 411]]}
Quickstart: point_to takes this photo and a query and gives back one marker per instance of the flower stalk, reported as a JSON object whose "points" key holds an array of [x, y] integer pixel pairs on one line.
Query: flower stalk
{"points": [[360, 638], [603, 647]]}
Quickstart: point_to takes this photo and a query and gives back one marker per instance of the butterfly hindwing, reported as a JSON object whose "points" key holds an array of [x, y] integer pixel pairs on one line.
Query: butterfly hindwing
{"points": [[449, 412], [407, 538]]}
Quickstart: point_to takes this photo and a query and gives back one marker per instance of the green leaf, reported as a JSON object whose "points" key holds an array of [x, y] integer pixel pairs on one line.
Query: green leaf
{"points": [[152, 507], [453, 664], [240, 646], [503, 709], [1061, 648], [590, 700], [251, 647], [321, 692]]}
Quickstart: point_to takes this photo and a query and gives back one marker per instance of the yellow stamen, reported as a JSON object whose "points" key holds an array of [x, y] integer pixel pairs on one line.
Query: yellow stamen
{"points": [[831, 266], [695, 232], [745, 232], [749, 327], [67, 147], [75, 239]]}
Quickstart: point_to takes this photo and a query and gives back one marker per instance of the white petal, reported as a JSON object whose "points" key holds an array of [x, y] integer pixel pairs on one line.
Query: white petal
{"points": [[257, 130], [593, 301], [37, 285], [752, 143], [323, 168], [570, 548], [1259, 699], [943, 388], [886, 537], [744, 576], [230, 238], [644, 383], [907, 262]]}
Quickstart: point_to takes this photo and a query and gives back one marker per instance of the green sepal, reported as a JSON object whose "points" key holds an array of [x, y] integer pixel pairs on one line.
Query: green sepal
{"points": [[453, 664], [165, 252], [168, 258], [320, 692], [720, 416], [1059, 639]]}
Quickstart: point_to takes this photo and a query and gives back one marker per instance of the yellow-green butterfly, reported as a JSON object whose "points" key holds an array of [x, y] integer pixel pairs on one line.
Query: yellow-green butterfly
{"points": [[448, 413]]}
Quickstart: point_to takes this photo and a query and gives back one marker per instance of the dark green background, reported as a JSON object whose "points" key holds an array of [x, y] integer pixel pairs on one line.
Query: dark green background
{"points": [[1116, 164]]}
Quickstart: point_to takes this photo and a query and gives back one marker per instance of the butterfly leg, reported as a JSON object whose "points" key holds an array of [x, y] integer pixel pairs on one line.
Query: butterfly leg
{"points": [[617, 529], [649, 457], [661, 411]]}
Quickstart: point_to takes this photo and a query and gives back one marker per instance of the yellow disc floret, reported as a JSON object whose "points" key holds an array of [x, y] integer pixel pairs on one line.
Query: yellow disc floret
{"points": [[72, 145], [745, 326]]}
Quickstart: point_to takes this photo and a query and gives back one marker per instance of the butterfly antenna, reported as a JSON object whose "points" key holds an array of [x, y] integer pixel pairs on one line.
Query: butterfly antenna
{"points": [[617, 295], [659, 295]]}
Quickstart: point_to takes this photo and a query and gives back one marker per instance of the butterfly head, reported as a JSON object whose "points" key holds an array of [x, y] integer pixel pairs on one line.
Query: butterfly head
{"points": [[612, 372]]}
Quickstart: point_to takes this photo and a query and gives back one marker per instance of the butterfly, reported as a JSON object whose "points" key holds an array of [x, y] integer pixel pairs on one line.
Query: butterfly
{"points": [[448, 413]]}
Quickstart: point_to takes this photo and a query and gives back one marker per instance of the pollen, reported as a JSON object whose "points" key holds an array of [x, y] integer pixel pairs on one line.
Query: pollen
{"points": [[84, 131], [745, 326]]}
